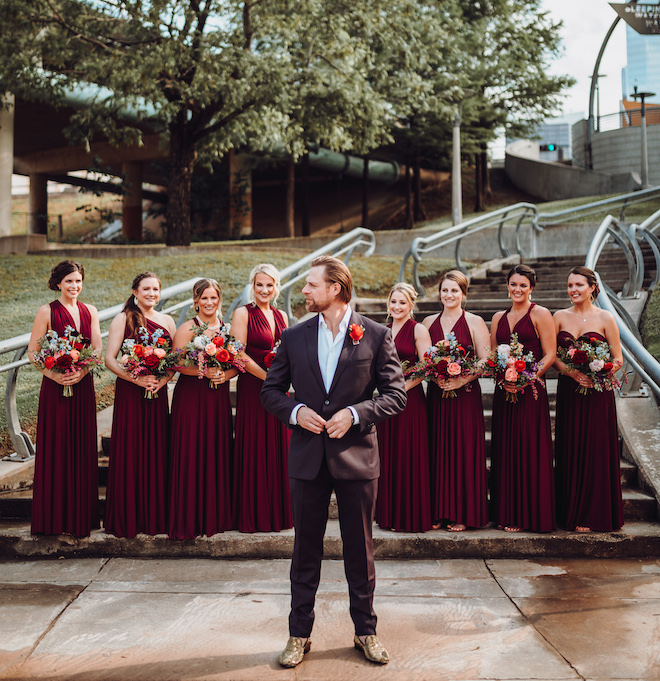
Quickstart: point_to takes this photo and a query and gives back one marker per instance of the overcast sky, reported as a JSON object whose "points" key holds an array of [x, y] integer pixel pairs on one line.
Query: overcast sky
{"points": [[586, 23]]}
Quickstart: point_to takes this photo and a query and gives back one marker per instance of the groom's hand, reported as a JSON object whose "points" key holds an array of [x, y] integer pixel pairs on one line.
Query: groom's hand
{"points": [[309, 420], [339, 424]]}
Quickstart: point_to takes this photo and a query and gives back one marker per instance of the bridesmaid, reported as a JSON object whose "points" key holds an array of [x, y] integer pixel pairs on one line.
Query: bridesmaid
{"points": [[137, 474], [65, 490], [404, 495], [522, 479], [586, 438], [459, 491], [261, 480]]}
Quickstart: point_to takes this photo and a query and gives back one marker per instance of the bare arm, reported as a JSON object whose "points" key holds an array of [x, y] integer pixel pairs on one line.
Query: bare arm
{"points": [[545, 327], [239, 328], [422, 344]]}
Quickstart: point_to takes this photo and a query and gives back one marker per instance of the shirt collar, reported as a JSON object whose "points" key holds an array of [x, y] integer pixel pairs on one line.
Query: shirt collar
{"points": [[343, 324]]}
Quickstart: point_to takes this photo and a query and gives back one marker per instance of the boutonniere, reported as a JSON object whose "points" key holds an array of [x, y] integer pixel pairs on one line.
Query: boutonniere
{"points": [[356, 331]]}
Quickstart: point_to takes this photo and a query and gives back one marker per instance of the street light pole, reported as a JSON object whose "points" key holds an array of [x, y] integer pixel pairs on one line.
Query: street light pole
{"points": [[456, 180], [598, 76], [645, 152]]}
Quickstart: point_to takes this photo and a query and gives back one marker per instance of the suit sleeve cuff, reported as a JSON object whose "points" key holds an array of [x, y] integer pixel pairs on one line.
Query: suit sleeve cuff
{"points": [[293, 419], [356, 418]]}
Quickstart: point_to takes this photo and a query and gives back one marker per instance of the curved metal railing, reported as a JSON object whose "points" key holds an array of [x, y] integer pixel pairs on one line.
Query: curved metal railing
{"points": [[520, 214], [637, 359], [345, 245]]}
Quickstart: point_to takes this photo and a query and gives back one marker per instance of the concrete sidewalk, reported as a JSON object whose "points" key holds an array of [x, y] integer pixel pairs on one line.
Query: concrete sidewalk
{"points": [[96, 619]]}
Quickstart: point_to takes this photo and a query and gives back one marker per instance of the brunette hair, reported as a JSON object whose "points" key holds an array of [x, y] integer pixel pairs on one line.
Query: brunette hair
{"points": [[523, 271], [270, 271], [408, 291], [457, 277], [61, 270], [336, 272], [589, 275], [200, 286], [134, 317]]}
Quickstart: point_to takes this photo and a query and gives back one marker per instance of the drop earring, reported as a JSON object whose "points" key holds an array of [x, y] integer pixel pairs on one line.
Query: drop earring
{"points": [[135, 301]]}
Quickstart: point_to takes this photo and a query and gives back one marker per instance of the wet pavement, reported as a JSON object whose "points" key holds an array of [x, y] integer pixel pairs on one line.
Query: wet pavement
{"points": [[92, 619]]}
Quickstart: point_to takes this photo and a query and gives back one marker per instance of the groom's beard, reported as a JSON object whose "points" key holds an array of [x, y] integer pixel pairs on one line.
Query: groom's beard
{"points": [[313, 306]]}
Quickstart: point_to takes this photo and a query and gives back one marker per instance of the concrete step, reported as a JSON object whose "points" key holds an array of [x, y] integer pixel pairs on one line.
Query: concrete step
{"points": [[635, 539]]}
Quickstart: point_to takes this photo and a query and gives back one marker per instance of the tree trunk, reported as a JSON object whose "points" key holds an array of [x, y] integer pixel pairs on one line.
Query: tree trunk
{"points": [[290, 198], [365, 193], [182, 159], [419, 213], [479, 204], [410, 222], [485, 175], [305, 195]]}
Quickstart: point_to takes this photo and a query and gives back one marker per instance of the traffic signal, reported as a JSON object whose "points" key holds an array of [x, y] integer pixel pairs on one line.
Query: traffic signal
{"points": [[548, 147]]}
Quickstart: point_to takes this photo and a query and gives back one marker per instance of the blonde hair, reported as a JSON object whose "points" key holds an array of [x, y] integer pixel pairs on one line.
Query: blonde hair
{"points": [[336, 272], [408, 291], [270, 271]]}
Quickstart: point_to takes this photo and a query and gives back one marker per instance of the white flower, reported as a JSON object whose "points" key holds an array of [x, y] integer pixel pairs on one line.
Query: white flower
{"points": [[503, 352], [596, 365], [200, 342]]}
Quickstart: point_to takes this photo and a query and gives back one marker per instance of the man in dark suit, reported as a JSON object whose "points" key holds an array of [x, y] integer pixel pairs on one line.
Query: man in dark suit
{"points": [[334, 361]]}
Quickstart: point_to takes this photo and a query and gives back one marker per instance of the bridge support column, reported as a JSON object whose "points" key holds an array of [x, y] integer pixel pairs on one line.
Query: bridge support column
{"points": [[38, 204], [131, 212], [6, 161], [240, 192]]}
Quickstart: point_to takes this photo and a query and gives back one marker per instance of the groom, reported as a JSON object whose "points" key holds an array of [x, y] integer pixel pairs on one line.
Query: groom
{"points": [[334, 361]]}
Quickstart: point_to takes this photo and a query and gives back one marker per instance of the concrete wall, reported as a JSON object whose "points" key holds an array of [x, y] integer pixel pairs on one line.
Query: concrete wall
{"points": [[553, 181]]}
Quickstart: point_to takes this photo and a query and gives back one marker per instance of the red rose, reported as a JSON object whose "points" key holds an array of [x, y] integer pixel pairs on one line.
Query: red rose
{"points": [[593, 340], [78, 346], [608, 366], [138, 350], [219, 341], [580, 357], [64, 361], [151, 361], [49, 362], [491, 362], [461, 349], [356, 332], [520, 365], [442, 367], [222, 355], [161, 341], [268, 360]]}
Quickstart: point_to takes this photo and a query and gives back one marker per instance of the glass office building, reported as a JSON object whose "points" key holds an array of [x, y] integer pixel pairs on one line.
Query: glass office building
{"points": [[643, 68]]}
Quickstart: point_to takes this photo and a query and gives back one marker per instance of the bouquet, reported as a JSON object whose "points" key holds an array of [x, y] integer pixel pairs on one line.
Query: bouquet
{"points": [[66, 354], [507, 363], [270, 357], [151, 356], [446, 359], [593, 358], [221, 351]]}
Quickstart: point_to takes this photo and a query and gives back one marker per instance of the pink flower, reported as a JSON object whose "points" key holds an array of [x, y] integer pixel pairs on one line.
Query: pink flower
{"points": [[511, 374], [75, 355], [148, 350], [159, 352], [124, 360], [211, 349], [454, 369], [571, 351]]}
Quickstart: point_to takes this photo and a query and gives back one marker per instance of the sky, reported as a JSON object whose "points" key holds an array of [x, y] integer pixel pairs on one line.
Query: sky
{"points": [[586, 23]]}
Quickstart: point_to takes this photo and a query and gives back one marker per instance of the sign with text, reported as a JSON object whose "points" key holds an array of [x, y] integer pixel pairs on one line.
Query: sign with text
{"points": [[643, 17]]}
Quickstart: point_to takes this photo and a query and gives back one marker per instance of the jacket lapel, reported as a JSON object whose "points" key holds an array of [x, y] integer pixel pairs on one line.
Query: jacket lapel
{"points": [[312, 343], [347, 351]]}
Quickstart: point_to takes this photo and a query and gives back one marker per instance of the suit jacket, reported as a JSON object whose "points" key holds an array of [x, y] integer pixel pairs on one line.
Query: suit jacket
{"points": [[371, 364]]}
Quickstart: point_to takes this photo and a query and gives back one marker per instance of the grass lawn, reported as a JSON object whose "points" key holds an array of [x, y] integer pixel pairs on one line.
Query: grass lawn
{"points": [[107, 282], [651, 324]]}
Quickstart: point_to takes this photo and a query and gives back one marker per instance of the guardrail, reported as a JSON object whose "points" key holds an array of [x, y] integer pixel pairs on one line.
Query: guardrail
{"points": [[345, 245], [637, 358], [21, 441], [522, 214]]}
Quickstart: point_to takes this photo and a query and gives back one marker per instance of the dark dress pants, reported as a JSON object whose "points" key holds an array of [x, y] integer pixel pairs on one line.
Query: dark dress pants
{"points": [[309, 503]]}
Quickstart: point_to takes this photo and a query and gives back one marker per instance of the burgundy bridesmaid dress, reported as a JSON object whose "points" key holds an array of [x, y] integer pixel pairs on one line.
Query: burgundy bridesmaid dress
{"points": [[587, 473], [201, 455], [139, 452], [459, 492], [261, 480], [65, 496], [404, 496], [522, 477]]}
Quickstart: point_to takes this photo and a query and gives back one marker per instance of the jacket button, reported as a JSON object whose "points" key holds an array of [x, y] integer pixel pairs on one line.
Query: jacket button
{"points": [[327, 402]]}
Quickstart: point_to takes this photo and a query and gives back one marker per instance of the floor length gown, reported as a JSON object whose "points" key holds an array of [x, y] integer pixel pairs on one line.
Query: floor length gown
{"points": [[65, 490], [522, 478], [404, 496], [457, 446], [261, 480], [587, 464], [201, 448], [136, 499]]}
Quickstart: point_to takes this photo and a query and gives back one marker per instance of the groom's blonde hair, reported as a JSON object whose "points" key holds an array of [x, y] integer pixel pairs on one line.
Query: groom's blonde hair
{"points": [[336, 272]]}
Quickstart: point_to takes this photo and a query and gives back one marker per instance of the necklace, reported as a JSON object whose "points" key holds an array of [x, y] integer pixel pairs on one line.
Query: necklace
{"points": [[577, 314], [209, 327]]}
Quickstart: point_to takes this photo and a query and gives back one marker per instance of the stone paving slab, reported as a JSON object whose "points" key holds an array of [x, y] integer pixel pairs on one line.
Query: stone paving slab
{"points": [[196, 619]]}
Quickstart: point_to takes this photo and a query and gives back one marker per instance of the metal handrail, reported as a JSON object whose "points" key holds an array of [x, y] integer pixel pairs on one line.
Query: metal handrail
{"points": [[423, 245], [635, 354], [344, 245], [21, 441]]}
